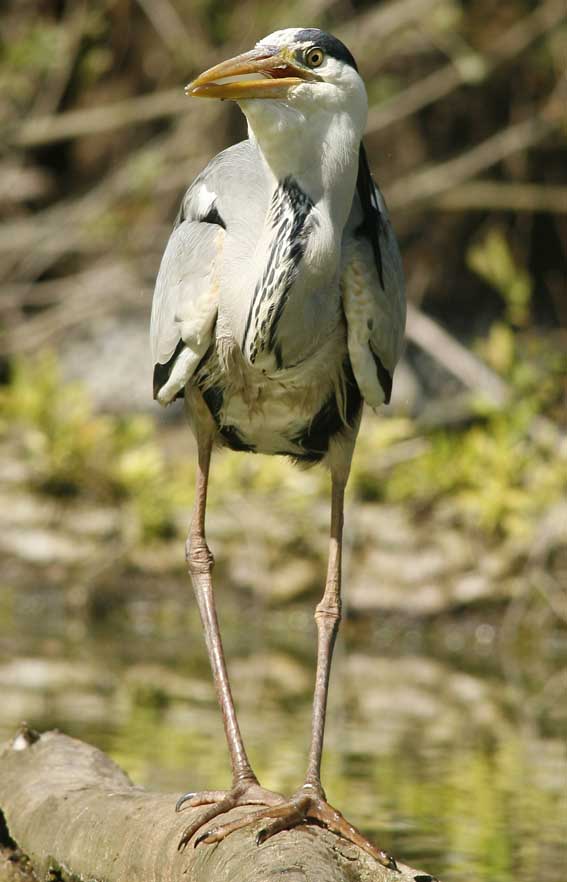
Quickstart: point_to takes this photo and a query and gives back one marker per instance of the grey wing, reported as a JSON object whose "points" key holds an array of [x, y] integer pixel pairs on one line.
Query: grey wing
{"points": [[217, 216], [373, 292], [186, 294]]}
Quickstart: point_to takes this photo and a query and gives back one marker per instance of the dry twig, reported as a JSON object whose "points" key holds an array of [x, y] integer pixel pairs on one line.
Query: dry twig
{"points": [[427, 185], [504, 196], [473, 69]]}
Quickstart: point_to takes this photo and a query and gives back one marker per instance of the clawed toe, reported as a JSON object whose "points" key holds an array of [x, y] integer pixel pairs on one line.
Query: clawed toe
{"points": [[204, 797], [303, 807], [202, 838], [218, 808], [218, 802], [333, 820], [287, 822]]}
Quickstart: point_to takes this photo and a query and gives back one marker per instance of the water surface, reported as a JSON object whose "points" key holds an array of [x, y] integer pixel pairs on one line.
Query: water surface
{"points": [[446, 744]]}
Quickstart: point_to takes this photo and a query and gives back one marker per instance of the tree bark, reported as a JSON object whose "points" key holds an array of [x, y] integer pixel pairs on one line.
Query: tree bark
{"points": [[76, 815]]}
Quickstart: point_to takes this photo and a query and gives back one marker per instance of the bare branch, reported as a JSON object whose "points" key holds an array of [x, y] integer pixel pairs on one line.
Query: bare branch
{"points": [[381, 23], [92, 293], [167, 23], [473, 69], [79, 123], [53, 87], [427, 185], [171, 102], [72, 810], [455, 357], [504, 196], [59, 229]]}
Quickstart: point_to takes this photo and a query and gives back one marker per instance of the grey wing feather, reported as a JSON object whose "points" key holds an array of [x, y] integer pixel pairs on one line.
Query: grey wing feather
{"points": [[185, 304], [218, 217], [375, 314]]}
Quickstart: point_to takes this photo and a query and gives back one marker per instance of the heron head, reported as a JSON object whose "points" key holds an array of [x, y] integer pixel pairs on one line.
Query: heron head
{"points": [[297, 67]]}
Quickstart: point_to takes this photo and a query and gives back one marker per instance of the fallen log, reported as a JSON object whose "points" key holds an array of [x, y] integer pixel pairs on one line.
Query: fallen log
{"points": [[77, 816]]}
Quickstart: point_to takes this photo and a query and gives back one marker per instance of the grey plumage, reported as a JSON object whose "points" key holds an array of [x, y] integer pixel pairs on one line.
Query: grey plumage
{"points": [[225, 214], [278, 308]]}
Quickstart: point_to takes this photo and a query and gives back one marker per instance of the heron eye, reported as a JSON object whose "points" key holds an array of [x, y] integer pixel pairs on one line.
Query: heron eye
{"points": [[315, 57]]}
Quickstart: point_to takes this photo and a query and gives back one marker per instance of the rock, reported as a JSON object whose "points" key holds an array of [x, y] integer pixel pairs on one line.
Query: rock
{"points": [[471, 588], [386, 526], [100, 523], [112, 358], [424, 599], [289, 677], [43, 546], [296, 579]]}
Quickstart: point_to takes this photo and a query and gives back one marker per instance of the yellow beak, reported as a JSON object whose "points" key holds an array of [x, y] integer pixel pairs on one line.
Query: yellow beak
{"points": [[276, 74]]}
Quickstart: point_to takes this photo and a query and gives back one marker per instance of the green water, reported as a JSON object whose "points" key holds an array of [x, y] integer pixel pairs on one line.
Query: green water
{"points": [[446, 740]]}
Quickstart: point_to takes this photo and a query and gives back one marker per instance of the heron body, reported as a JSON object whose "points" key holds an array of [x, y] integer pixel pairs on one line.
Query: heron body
{"points": [[279, 306]]}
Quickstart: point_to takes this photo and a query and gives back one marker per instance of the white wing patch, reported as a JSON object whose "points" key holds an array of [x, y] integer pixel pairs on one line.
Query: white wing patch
{"points": [[205, 199], [185, 301]]}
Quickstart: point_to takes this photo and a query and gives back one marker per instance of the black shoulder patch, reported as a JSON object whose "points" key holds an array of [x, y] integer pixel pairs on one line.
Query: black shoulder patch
{"points": [[162, 372], [372, 221], [331, 45], [213, 217]]}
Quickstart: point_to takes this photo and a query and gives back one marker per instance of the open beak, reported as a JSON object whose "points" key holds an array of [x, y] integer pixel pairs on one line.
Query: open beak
{"points": [[272, 76]]}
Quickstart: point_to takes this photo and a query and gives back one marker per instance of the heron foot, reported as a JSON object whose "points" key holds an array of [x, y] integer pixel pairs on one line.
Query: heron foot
{"points": [[307, 804], [220, 801]]}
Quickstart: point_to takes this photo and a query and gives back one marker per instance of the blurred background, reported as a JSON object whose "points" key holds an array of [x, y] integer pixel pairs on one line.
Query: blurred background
{"points": [[446, 737]]}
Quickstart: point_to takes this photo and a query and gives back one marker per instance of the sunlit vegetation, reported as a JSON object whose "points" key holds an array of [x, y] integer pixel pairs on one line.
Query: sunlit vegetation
{"points": [[500, 470], [70, 451], [506, 467], [445, 738]]}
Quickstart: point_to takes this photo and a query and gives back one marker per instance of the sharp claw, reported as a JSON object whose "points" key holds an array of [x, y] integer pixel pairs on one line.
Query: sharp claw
{"points": [[202, 837], [260, 836], [391, 863], [182, 800]]}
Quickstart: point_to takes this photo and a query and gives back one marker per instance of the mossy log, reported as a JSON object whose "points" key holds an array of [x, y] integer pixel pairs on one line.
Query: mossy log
{"points": [[76, 816]]}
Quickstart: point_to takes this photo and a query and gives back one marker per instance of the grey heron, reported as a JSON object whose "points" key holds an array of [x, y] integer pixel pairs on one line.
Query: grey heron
{"points": [[278, 309]]}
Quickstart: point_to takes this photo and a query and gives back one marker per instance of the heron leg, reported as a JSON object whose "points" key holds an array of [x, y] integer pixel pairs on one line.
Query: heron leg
{"points": [[327, 618], [245, 787], [309, 802]]}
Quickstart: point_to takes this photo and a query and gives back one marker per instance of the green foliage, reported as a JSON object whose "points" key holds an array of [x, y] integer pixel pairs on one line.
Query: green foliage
{"points": [[71, 451], [28, 58], [498, 478], [493, 261], [37, 50], [382, 88], [499, 473]]}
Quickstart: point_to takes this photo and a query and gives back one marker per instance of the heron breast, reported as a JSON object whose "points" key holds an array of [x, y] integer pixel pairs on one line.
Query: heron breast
{"points": [[293, 412]]}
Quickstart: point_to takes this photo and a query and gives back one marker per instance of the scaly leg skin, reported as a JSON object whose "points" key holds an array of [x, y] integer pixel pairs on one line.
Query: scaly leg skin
{"points": [[246, 792], [309, 802], [245, 787]]}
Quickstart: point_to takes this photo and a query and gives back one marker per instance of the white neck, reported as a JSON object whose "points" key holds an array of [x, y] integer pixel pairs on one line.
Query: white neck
{"points": [[317, 145], [318, 148]]}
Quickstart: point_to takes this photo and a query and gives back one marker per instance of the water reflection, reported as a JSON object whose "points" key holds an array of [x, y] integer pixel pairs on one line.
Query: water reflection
{"points": [[450, 755]]}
